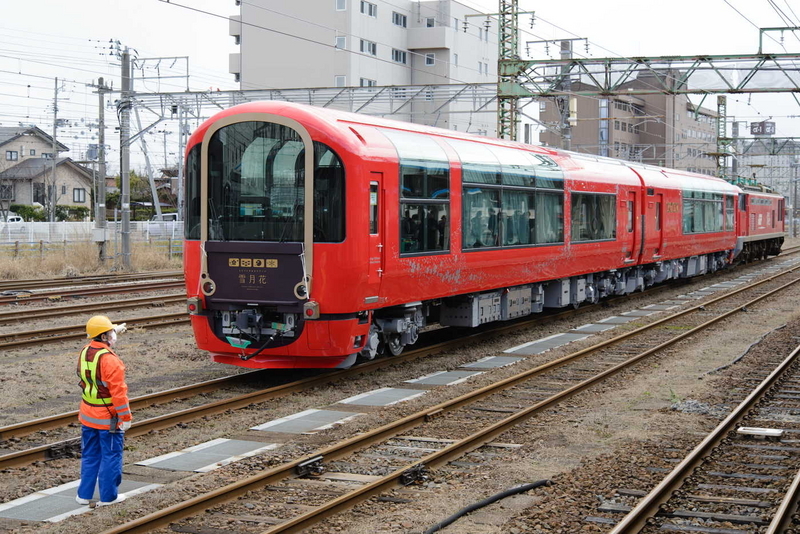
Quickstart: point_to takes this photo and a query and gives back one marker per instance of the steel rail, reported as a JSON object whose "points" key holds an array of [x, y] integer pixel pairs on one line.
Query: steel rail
{"points": [[783, 515], [34, 283], [63, 333], [55, 450], [648, 507], [18, 315], [231, 491], [122, 288]]}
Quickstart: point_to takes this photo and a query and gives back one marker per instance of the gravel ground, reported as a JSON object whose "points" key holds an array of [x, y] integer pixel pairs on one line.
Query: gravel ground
{"points": [[633, 407]]}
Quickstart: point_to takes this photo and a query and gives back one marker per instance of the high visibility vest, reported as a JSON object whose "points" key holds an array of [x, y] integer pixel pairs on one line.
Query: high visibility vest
{"points": [[95, 391]]}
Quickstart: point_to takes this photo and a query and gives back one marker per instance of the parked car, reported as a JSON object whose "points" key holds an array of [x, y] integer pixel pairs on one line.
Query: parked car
{"points": [[14, 219], [163, 226]]}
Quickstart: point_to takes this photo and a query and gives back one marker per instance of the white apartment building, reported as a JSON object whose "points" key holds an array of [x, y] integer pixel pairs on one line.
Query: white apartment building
{"points": [[288, 44]]}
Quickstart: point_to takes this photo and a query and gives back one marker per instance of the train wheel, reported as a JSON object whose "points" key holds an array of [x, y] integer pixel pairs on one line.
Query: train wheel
{"points": [[394, 345]]}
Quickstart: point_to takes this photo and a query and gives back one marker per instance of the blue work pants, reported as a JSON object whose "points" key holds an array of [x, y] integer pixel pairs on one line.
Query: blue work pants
{"points": [[101, 463]]}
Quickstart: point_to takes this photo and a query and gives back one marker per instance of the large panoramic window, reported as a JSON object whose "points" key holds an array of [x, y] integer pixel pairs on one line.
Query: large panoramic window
{"points": [[256, 186], [424, 193], [510, 198]]}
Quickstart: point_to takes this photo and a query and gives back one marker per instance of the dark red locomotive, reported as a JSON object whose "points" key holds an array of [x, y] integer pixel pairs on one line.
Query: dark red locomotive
{"points": [[314, 236]]}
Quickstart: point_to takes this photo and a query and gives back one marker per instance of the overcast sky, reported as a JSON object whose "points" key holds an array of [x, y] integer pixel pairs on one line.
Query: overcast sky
{"points": [[43, 39]]}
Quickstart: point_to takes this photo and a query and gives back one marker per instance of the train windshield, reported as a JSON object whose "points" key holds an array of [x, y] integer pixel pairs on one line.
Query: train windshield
{"points": [[256, 185]]}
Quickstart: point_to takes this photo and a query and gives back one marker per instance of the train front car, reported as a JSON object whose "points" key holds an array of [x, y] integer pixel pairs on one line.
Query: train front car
{"points": [[254, 228]]}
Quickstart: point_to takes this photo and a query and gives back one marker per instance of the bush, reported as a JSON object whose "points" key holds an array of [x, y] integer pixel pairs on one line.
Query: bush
{"points": [[29, 213]]}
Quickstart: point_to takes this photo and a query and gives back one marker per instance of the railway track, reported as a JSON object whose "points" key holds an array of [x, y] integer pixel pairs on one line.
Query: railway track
{"points": [[29, 284], [736, 479], [434, 436], [66, 447], [78, 331], [20, 315], [56, 295]]}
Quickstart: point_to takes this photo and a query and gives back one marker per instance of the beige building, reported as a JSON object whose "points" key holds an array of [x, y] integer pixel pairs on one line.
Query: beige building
{"points": [[664, 130], [26, 171], [371, 43]]}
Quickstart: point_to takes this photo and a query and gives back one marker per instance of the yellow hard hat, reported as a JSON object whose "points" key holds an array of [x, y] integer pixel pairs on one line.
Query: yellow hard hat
{"points": [[99, 324]]}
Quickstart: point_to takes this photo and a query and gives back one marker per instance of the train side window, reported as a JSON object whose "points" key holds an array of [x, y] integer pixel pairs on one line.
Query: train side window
{"points": [[630, 216], [729, 212], [594, 216], [742, 202], [703, 212], [658, 216], [424, 193], [192, 223], [373, 208]]}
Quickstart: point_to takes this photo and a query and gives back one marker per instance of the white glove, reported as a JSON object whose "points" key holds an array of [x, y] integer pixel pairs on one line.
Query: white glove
{"points": [[121, 328], [125, 425]]}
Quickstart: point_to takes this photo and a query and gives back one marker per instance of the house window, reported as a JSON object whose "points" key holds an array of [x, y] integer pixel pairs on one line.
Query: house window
{"points": [[366, 82], [430, 22], [63, 189], [47, 155], [398, 56], [12, 155], [340, 81], [79, 195], [399, 20], [368, 47], [341, 43], [368, 8], [33, 152], [341, 5], [430, 59], [7, 192]]}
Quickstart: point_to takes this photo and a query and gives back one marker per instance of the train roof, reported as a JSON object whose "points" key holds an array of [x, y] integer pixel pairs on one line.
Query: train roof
{"points": [[327, 119]]}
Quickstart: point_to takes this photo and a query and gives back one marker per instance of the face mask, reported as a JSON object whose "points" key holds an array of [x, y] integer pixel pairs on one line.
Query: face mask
{"points": [[112, 338]]}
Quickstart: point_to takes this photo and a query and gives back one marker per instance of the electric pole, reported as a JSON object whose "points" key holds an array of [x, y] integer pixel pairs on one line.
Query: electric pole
{"points": [[100, 223], [51, 212], [124, 159]]}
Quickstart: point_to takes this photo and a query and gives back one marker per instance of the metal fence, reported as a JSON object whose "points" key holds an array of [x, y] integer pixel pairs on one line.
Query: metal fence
{"points": [[32, 238]]}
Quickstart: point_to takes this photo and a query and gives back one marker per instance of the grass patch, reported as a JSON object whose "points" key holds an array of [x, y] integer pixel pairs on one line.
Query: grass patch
{"points": [[82, 258]]}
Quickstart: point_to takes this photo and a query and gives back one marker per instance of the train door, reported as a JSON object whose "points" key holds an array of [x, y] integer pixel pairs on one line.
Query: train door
{"points": [[376, 232], [631, 236], [654, 217]]}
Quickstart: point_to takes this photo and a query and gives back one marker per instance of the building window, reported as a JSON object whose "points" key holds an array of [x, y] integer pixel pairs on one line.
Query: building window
{"points": [[430, 22], [47, 155], [368, 47], [340, 81], [455, 60], [368, 8], [398, 56], [7, 192], [63, 189], [33, 152], [12, 155], [399, 20], [341, 5], [366, 82], [616, 125], [341, 42], [430, 59], [79, 195]]}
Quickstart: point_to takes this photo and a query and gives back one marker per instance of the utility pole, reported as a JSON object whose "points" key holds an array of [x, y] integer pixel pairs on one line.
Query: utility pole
{"points": [[181, 170], [563, 103], [100, 223], [124, 159], [51, 215]]}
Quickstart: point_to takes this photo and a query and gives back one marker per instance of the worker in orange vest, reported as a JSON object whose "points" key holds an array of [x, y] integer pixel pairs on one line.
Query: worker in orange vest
{"points": [[105, 414]]}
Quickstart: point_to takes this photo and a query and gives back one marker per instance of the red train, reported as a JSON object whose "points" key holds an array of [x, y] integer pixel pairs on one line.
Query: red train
{"points": [[315, 236]]}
